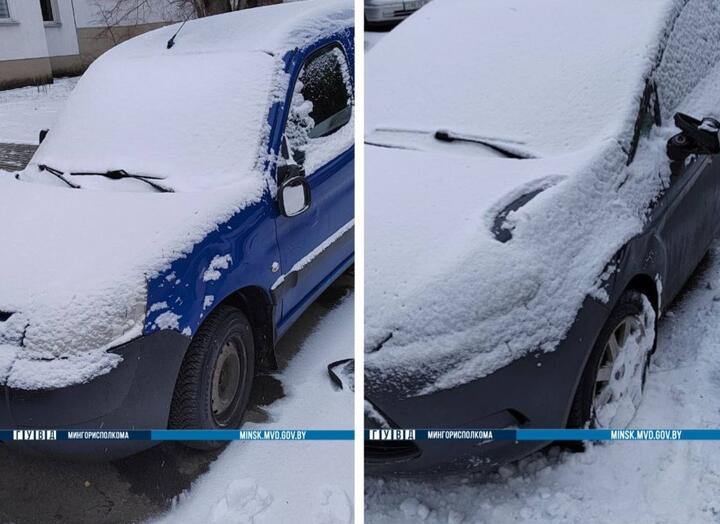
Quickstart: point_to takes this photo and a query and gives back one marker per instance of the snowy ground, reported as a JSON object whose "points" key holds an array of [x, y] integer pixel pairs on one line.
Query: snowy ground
{"points": [[24, 112], [278, 481], [644, 482]]}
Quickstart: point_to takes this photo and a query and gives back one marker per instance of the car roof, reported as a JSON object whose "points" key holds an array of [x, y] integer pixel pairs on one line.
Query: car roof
{"points": [[270, 29]]}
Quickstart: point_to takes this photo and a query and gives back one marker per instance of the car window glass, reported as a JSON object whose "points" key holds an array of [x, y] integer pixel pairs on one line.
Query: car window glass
{"points": [[688, 55], [322, 106]]}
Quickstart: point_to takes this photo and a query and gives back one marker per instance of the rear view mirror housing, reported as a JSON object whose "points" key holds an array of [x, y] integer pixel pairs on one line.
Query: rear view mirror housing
{"points": [[288, 171], [698, 137], [294, 196]]}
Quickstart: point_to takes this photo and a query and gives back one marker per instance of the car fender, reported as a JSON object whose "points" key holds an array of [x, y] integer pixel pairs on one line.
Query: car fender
{"points": [[640, 264], [241, 253]]}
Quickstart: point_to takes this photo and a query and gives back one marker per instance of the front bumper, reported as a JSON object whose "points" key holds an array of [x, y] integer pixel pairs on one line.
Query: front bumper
{"points": [[135, 395], [535, 391]]}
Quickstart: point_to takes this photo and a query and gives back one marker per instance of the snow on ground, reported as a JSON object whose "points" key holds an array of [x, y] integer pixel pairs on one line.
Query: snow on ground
{"points": [[24, 112], [288, 481], [644, 482]]}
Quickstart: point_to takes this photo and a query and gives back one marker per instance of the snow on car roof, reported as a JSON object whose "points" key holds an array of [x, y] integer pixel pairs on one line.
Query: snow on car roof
{"points": [[553, 76], [196, 114], [272, 29]]}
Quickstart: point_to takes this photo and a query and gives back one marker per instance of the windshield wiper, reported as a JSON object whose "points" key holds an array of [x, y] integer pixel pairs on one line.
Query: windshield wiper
{"points": [[120, 174], [59, 174], [508, 151]]}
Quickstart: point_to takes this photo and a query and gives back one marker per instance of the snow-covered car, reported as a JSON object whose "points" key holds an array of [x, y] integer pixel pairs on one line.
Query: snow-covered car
{"points": [[534, 203], [193, 199], [388, 11]]}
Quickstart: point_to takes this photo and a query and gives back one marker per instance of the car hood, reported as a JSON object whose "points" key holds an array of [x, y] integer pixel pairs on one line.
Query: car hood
{"points": [[425, 211], [446, 301], [74, 262]]}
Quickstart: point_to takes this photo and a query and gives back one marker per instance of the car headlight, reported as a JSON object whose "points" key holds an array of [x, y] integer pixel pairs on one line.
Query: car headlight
{"points": [[130, 324], [109, 322]]}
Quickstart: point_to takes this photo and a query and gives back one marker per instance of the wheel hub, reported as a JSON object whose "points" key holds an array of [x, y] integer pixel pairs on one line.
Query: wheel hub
{"points": [[225, 382]]}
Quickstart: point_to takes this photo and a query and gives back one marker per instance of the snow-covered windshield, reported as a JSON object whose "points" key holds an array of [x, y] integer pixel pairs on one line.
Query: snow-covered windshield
{"points": [[514, 72], [192, 121]]}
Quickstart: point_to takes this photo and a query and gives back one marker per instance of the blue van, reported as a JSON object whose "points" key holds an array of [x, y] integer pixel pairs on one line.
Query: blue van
{"points": [[194, 198]]}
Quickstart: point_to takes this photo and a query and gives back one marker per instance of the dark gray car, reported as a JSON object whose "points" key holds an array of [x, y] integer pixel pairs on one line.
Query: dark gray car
{"points": [[542, 178]]}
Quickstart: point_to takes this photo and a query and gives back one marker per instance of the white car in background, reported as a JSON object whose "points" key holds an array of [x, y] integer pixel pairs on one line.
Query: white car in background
{"points": [[385, 11]]}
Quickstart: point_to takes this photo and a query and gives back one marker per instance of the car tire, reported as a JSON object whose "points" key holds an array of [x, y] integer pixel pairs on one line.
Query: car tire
{"points": [[216, 376], [619, 377]]}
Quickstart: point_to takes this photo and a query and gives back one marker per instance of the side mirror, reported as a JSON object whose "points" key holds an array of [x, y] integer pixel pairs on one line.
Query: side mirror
{"points": [[293, 189], [43, 134], [288, 171], [294, 196], [698, 137]]}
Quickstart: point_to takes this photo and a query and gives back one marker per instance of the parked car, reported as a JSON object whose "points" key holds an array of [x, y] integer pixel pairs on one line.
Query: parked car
{"points": [[194, 198], [536, 199], [379, 12]]}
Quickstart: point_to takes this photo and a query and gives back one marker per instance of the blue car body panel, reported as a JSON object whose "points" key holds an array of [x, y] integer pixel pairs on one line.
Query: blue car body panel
{"points": [[259, 236]]}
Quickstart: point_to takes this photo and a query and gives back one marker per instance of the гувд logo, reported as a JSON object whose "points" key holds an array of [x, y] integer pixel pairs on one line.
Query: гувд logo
{"points": [[34, 434]]}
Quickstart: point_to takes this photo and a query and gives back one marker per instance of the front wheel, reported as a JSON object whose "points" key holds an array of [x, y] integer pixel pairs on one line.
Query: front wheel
{"points": [[213, 388], [612, 383]]}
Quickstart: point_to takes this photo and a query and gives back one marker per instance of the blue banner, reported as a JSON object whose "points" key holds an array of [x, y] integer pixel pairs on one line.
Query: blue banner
{"points": [[39, 435], [542, 434], [480, 435]]}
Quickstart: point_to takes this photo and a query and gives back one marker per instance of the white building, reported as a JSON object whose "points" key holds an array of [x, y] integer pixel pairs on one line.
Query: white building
{"points": [[40, 39]]}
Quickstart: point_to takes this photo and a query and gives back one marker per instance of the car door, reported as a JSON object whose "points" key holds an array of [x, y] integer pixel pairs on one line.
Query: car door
{"points": [[690, 207], [691, 217], [318, 141]]}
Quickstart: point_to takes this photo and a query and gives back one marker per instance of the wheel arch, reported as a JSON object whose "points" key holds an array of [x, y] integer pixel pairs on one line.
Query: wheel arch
{"points": [[257, 305], [646, 285], [641, 282]]}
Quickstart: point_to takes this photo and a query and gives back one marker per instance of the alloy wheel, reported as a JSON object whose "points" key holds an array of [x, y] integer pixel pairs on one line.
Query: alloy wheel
{"points": [[621, 374]]}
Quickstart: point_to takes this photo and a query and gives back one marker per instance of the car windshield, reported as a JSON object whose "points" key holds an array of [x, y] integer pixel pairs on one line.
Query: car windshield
{"points": [[188, 121], [552, 78]]}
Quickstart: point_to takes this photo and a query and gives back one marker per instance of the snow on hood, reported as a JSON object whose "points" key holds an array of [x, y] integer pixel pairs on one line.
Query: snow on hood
{"points": [[453, 304], [447, 303], [450, 200], [566, 75], [74, 263], [195, 114]]}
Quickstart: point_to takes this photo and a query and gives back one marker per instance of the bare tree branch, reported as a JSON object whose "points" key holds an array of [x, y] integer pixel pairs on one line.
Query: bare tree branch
{"points": [[117, 13]]}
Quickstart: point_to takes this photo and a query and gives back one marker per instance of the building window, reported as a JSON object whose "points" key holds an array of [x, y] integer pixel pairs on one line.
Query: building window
{"points": [[47, 10], [4, 10]]}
